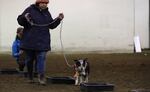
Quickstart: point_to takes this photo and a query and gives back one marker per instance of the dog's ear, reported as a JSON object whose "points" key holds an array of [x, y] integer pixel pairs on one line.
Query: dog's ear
{"points": [[77, 63], [75, 60]]}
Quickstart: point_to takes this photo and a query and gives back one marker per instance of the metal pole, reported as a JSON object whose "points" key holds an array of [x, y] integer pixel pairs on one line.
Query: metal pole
{"points": [[134, 30], [133, 24], [149, 24]]}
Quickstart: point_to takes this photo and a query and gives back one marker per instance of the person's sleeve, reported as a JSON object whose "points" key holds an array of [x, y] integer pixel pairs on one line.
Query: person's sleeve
{"points": [[15, 52], [55, 23], [21, 18]]}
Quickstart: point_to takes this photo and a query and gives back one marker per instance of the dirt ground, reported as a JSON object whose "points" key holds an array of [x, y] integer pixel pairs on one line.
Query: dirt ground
{"points": [[125, 71]]}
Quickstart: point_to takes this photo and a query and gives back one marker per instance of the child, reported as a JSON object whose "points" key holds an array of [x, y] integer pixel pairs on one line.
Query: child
{"points": [[18, 54]]}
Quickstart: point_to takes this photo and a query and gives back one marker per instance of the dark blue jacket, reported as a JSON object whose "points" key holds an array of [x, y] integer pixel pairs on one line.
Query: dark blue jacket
{"points": [[37, 37]]}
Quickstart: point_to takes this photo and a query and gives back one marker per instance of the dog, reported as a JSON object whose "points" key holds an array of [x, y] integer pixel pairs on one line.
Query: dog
{"points": [[82, 70]]}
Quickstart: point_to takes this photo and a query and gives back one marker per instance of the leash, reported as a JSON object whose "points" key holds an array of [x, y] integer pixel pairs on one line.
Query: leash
{"points": [[41, 25], [62, 47], [29, 20]]}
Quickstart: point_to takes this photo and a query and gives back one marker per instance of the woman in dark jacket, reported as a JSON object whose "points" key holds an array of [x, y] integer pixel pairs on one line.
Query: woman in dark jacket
{"points": [[37, 21]]}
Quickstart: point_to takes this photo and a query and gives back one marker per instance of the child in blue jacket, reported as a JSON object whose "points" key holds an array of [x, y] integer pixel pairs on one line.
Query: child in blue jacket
{"points": [[18, 54]]}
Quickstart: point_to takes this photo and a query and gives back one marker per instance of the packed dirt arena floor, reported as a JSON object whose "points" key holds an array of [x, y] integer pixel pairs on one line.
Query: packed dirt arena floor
{"points": [[125, 71]]}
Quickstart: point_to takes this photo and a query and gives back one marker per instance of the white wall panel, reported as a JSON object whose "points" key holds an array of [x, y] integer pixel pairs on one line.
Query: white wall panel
{"points": [[89, 25]]}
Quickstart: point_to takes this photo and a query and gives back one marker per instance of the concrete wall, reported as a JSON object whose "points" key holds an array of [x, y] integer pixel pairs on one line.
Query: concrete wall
{"points": [[89, 25]]}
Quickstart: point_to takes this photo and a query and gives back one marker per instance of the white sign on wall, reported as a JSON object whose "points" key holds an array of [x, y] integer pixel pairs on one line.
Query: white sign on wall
{"points": [[137, 44]]}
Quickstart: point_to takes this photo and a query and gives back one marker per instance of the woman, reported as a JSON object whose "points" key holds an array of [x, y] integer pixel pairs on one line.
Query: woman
{"points": [[37, 21]]}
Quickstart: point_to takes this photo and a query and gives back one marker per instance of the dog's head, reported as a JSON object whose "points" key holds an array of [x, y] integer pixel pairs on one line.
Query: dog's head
{"points": [[82, 66]]}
